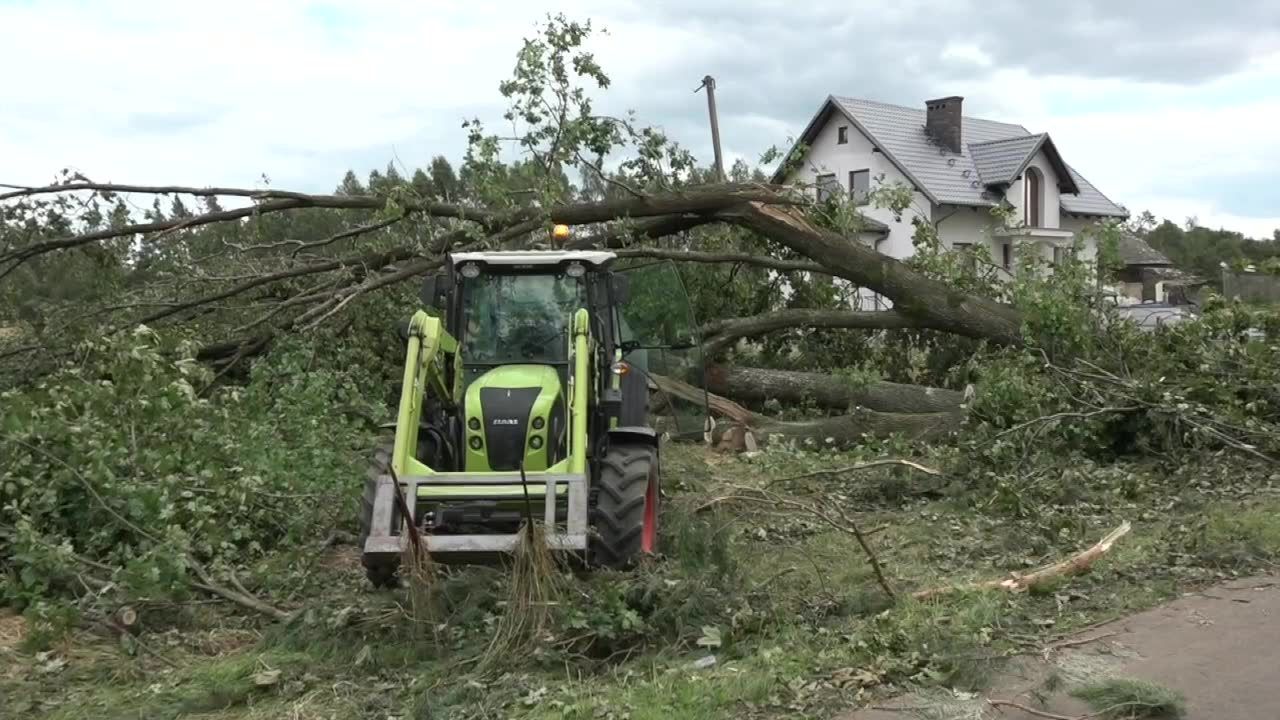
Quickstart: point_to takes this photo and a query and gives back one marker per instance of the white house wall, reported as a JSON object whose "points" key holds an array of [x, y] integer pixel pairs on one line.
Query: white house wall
{"points": [[969, 225], [1078, 225], [974, 226], [826, 156]]}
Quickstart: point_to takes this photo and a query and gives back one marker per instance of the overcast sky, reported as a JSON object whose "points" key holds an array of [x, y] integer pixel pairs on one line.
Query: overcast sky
{"points": [[1167, 105]]}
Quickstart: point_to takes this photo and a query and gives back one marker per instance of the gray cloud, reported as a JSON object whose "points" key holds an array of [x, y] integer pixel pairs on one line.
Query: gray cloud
{"points": [[1175, 42], [774, 63], [779, 60], [168, 122]]}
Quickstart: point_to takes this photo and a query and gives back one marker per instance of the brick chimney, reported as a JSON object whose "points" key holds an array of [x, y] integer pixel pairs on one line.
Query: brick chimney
{"points": [[942, 121]]}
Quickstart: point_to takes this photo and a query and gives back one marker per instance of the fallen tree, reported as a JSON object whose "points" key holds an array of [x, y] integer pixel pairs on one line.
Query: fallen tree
{"points": [[920, 301], [282, 290], [747, 430], [720, 335], [913, 294], [849, 429], [283, 261], [829, 391]]}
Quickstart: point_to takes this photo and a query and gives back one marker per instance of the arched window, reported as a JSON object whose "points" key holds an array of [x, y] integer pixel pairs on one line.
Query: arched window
{"points": [[1033, 200]]}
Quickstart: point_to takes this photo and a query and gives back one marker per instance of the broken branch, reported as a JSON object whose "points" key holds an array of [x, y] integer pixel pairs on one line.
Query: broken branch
{"points": [[245, 600], [1059, 416], [856, 468], [1073, 565], [765, 261], [720, 334]]}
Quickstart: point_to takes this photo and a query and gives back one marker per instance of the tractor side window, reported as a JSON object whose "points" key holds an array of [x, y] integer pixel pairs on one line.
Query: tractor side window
{"points": [[518, 318], [657, 313], [658, 322]]}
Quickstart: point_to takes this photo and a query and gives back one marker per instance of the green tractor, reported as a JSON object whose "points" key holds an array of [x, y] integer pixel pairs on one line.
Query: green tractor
{"points": [[522, 401]]}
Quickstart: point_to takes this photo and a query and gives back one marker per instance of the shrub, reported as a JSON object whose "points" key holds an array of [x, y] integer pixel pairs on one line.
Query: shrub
{"points": [[126, 459]]}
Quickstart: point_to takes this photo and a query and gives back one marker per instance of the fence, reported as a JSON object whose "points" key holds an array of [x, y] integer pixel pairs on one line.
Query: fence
{"points": [[1251, 286]]}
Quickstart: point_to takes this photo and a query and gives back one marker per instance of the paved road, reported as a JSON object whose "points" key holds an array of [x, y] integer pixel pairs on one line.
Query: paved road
{"points": [[1220, 647]]}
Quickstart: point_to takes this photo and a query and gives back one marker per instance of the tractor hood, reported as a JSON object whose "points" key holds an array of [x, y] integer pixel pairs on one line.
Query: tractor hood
{"points": [[514, 414]]}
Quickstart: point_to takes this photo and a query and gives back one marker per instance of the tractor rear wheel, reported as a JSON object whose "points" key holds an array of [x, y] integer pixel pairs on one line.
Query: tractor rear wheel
{"points": [[625, 511], [381, 571]]}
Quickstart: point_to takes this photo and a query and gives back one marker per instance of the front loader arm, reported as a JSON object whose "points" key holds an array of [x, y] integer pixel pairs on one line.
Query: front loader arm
{"points": [[579, 383], [431, 362]]}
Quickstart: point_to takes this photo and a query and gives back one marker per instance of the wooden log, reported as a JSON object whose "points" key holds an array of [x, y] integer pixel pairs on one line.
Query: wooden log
{"points": [[829, 391], [746, 429]]}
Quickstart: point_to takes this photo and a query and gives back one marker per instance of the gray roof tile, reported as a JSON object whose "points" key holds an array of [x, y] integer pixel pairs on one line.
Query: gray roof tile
{"points": [[998, 161], [1090, 200], [959, 178], [1135, 251]]}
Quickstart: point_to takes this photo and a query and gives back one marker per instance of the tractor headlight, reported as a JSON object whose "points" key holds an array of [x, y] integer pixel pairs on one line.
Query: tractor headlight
{"points": [[575, 270], [474, 424], [535, 442], [475, 443], [620, 368], [470, 270]]}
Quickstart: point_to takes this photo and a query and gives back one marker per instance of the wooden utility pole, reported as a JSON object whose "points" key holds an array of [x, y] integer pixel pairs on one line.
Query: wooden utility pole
{"points": [[709, 83]]}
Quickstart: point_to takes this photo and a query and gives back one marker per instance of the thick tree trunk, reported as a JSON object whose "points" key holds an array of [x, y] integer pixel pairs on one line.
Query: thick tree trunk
{"points": [[837, 431], [912, 293], [721, 334], [853, 428], [829, 391]]}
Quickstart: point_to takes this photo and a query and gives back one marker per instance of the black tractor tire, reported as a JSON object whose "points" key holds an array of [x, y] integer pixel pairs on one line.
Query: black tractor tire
{"points": [[383, 572], [627, 483]]}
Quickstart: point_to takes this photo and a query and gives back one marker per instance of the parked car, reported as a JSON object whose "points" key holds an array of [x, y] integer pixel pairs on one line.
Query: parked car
{"points": [[1150, 316]]}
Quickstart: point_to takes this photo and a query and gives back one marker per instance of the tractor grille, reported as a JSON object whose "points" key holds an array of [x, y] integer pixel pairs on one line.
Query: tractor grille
{"points": [[506, 418]]}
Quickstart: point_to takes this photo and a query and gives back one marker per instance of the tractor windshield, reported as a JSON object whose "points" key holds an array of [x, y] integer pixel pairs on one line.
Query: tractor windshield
{"points": [[518, 318]]}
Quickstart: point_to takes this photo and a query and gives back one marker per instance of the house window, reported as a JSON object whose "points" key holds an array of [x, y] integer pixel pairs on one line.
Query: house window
{"points": [[859, 186], [1033, 197], [1061, 254], [1006, 256], [827, 186], [842, 135]]}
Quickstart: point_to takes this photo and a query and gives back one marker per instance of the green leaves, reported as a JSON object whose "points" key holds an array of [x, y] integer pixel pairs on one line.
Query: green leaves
{"points": [[121, 461], [551, 113], [710, 637]]}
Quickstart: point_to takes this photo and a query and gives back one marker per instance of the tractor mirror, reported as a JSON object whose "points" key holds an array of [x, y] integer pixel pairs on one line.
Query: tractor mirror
{"points": [[621, 288], [433, 288]]}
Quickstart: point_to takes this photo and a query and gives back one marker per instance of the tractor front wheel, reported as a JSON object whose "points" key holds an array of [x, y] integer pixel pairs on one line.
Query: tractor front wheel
{"points": [[625, 511]]}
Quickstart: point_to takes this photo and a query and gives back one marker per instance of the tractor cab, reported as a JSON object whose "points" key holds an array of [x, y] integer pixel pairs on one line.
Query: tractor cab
{"points": [[512, 314], [525, 399]]}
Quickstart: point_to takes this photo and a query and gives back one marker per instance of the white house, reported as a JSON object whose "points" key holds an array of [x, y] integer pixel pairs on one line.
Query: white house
{"points": [[958, 167]]}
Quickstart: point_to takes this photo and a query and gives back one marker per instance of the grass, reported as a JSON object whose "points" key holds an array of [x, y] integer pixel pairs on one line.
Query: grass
{"points": [[1237, 537], [1128, 698], [803, 630]]}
